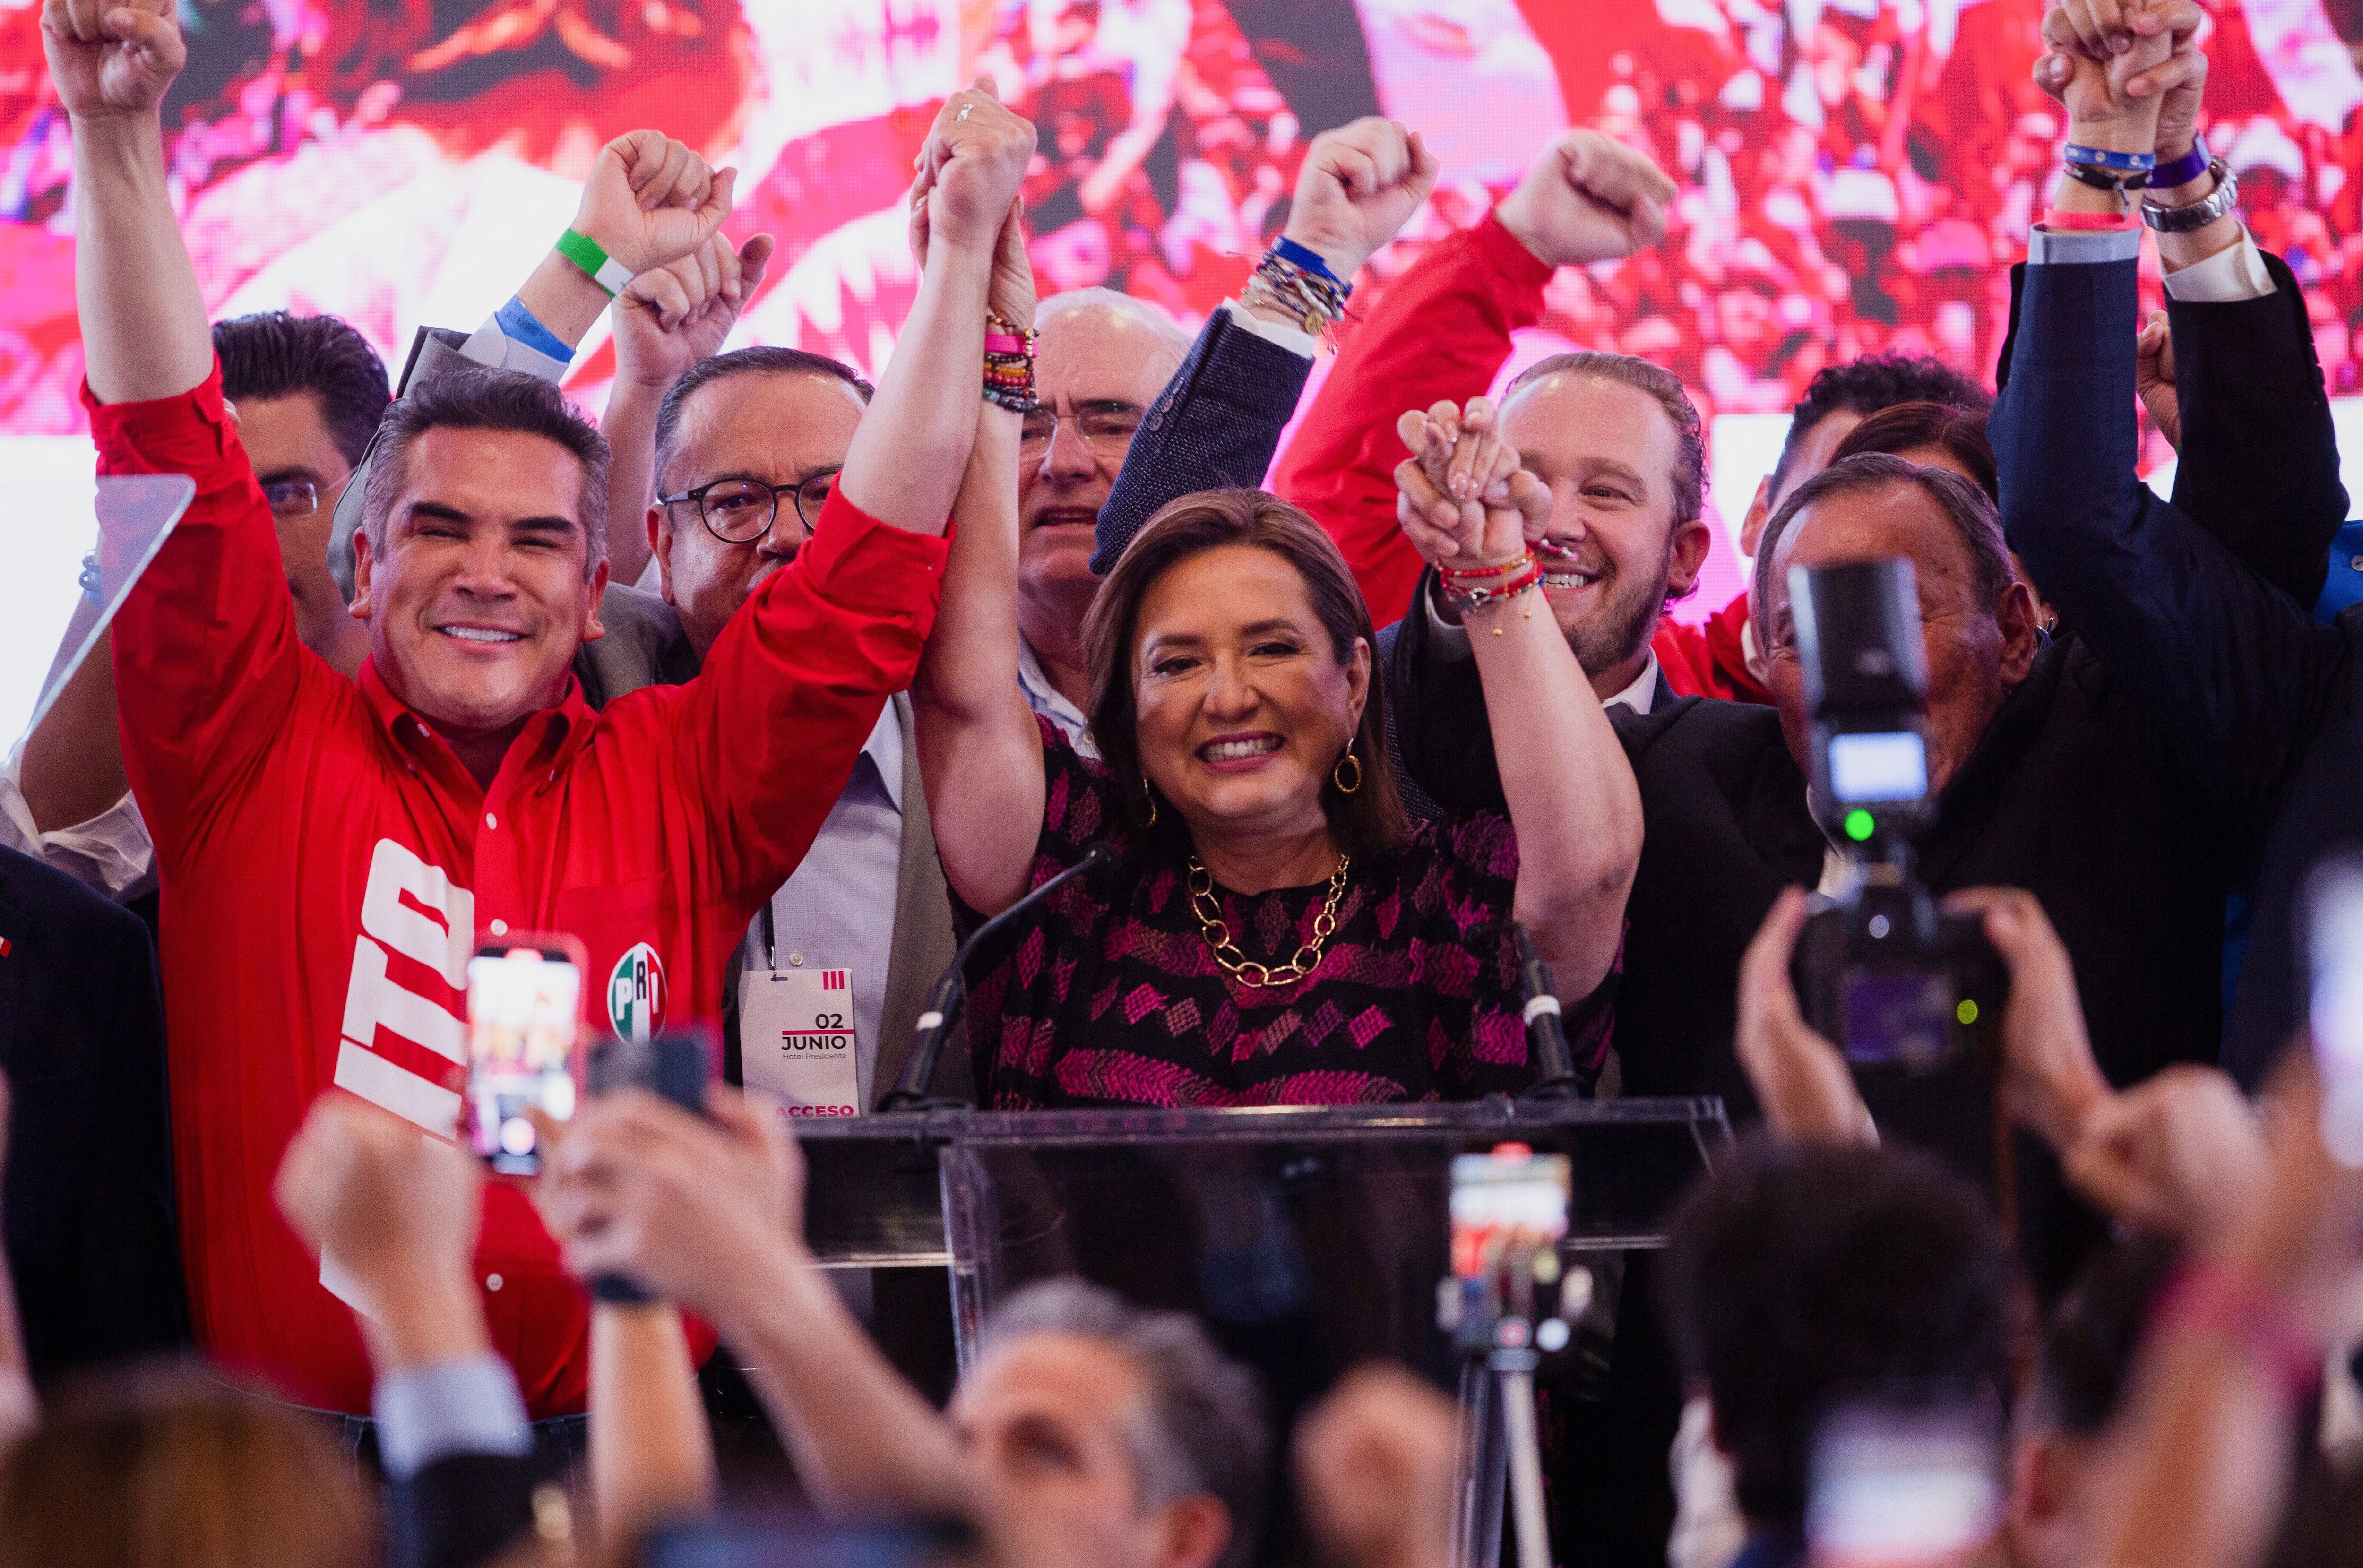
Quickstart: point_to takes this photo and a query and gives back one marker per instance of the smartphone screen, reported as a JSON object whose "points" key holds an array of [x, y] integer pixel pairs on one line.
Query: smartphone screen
{"points": [[1920, 1489], [2335, 1002], [1508, 1203], [524, 1003]]}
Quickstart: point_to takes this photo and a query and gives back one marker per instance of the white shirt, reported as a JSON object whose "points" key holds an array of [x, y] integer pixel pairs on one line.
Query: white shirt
{"points": [[837, 911], [111, 852], [1046, 699]]}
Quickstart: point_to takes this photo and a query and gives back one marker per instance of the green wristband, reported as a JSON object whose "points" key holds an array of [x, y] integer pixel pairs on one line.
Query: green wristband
{"points": [[610, 274]]}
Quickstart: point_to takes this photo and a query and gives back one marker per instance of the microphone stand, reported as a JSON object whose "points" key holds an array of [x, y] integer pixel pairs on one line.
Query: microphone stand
{"points": [[1554, 1062], [951, 993]]}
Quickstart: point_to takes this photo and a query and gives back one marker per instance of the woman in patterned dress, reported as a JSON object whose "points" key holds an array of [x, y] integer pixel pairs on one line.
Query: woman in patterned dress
{"points": [[1275, 929]]}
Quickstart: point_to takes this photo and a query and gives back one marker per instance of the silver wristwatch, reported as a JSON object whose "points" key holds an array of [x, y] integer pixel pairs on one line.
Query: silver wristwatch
{"points": [[2183, 219]]}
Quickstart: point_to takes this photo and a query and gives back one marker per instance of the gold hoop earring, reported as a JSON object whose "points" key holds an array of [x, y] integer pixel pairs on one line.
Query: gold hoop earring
{"points": [[1149, 796], [1335, 773]]}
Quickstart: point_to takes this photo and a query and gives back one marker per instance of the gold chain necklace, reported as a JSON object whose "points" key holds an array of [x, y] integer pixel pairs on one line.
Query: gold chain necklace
{"points": [[1238, 965]]}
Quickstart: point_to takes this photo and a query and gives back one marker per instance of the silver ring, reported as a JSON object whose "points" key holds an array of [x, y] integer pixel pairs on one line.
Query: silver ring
{"points": [[963, 113]]}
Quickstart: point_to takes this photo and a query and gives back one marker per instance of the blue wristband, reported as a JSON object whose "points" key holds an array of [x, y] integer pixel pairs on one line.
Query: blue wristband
{"points": [[2122, 162], [523, 325], [1290, 251], [2183, 170]]}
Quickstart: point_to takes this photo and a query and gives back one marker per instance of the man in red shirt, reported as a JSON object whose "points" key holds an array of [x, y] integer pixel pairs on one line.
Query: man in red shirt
{"points": [[331, 850]]}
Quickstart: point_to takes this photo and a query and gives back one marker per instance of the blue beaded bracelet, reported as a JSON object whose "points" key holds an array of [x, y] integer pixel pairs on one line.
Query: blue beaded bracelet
{"points": [[1290, 251], [2183, 170], [2124, 162]]}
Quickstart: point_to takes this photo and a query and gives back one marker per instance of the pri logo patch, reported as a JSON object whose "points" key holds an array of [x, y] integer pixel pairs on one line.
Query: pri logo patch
{"points": [[635, 994]]}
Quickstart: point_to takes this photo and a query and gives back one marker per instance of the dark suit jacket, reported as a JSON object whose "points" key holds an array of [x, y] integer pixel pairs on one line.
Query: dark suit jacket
{"points": [[2208, 627], [2077, 791], [1217, 423], [88, 1193]]}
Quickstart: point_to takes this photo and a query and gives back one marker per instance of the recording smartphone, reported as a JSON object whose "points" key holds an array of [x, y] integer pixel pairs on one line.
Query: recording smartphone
{"points": [[2334, 906], [1508, 1211], [525, 1011], [1506, 1204], [1903, 1489]]}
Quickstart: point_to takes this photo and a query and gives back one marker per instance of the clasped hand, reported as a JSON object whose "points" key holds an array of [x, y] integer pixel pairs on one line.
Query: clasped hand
{"points": [[1461, 496]]}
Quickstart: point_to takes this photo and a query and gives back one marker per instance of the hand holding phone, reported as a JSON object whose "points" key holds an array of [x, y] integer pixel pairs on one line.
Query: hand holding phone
{"points": [[525, 1012]]}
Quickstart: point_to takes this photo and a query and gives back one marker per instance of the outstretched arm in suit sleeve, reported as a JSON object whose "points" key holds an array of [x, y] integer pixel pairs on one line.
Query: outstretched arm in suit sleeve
{"points": [[2226, 665]]}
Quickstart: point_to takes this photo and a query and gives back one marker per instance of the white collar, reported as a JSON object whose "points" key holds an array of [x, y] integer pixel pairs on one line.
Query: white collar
{"points": [[1643, 691], [1045, 699]]}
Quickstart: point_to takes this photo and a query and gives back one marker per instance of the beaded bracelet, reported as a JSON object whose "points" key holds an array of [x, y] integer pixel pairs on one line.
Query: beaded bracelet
{"points": [[1009, 352], [1283, 283], [1467, 601]]}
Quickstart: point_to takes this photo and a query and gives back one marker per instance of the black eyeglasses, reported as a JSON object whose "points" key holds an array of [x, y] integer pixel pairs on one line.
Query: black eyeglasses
{"points": [[740, 511]]}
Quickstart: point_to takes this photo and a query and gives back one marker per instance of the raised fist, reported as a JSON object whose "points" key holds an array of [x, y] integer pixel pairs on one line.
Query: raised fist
{"points": [[1588, 198], [1360, 183], [650, 200], [393, 1206], [111, 58], [669, 320], [971, 167]]}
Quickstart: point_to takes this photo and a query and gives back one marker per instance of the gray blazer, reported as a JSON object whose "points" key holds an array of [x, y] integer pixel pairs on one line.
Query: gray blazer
{"points": [[646, 647]]}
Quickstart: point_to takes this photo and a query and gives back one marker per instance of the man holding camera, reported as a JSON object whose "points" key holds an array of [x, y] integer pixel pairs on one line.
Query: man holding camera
{"points": [[2045, 768], [331, 850]]}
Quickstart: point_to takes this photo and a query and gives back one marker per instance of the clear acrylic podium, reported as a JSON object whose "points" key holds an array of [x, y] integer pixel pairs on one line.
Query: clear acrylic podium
{"points": [[1309, 1239]]}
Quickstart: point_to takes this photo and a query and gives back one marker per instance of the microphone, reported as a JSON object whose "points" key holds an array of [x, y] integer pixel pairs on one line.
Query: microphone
{"points": [[1555, 1063], [944, 1003]]}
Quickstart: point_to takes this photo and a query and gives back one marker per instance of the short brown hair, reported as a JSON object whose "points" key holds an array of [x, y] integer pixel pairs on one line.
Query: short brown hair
{"points": [[166, 1467], [1371, 820], [1689, 432], [1959, 433]]}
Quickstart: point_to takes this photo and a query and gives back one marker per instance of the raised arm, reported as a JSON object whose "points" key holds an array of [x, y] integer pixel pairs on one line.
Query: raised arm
{"points": [[1467, 506], [1441, 333], [710, 1214], [1220, 417], [2258, 471], [666, 320], [2228, 668], [398, 1213], [906, 460], [143, 320], [798, 677], [980, 751]]}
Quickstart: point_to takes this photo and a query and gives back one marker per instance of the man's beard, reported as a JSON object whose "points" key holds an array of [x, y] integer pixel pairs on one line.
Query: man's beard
{"points": [[1626, 621]]}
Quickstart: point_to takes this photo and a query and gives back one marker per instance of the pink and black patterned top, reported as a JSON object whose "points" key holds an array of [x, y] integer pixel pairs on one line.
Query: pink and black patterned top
{"points": [[1110, 995]]}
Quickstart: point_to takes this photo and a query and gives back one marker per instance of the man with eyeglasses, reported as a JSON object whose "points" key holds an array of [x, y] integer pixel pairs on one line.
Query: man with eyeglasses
{"points": [[746, 447], [1103, 359]]}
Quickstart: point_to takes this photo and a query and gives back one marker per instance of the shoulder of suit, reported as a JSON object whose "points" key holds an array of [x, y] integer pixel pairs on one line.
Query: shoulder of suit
{"points": [[637, 613], [34, 885], [1693, 722]]}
